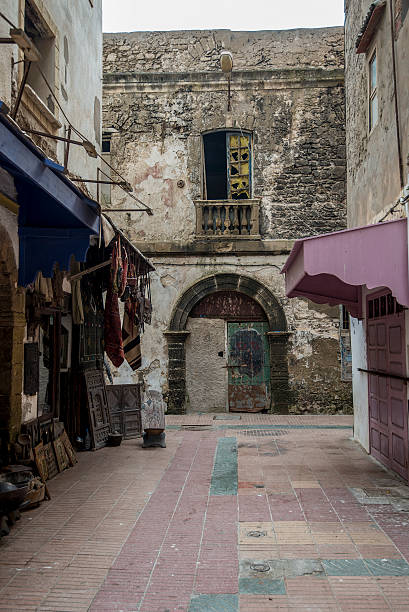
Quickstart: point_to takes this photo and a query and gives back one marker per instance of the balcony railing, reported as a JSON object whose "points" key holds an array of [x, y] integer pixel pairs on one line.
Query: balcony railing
{"points": [[239, 218]]}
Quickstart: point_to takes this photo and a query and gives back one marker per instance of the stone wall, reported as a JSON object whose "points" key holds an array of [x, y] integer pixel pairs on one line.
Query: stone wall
{"points": [[295, 111], [199, 50], [162, 90], [373, 163], [313, 342]]}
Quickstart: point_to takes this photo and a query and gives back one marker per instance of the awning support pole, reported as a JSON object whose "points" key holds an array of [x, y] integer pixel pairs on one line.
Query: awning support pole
{"points": [[67, 148]]}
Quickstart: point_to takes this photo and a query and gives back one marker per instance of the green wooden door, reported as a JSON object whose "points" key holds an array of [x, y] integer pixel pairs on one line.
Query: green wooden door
{"points": [[248, 366]]}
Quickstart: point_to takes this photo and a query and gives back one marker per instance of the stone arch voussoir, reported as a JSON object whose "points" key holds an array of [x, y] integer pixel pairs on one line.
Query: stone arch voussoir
{"points": [[228, 282]]}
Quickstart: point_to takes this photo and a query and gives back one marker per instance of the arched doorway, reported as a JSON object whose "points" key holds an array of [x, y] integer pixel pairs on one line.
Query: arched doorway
{"points": [[257, 332], [12, 324]]}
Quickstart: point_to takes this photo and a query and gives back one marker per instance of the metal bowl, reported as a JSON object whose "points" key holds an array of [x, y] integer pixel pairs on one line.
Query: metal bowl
{"points": [[11, 497]]}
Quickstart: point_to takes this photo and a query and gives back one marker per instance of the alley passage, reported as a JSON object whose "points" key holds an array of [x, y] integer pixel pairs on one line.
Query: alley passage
{"points": [[251, 514]]}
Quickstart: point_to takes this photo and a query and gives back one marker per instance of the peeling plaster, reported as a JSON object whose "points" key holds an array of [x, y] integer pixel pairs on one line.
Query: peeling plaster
{"points": [[168, 280]]}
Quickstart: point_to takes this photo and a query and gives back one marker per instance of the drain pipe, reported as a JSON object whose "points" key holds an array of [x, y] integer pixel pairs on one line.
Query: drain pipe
{"points": [[404, 188], [395, 91]]}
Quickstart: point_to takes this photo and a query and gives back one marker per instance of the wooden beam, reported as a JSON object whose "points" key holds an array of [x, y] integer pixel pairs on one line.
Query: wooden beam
{"points": [[8, 203], [89, 270]]}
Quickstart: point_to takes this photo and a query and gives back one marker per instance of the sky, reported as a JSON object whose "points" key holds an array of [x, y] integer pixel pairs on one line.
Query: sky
{"points": [[134, 15]]}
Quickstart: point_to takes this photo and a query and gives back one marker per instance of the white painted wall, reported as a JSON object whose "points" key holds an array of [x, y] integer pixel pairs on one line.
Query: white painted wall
{"points": [[8, 52], [81, 24], [360, 382]]}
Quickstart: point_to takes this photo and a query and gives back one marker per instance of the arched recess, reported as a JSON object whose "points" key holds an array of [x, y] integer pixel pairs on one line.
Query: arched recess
{"points": [[12, 326], [278, 336]]}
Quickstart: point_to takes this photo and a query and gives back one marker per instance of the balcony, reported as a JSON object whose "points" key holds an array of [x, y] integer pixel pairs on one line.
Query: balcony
{"points": [[227, 218]]}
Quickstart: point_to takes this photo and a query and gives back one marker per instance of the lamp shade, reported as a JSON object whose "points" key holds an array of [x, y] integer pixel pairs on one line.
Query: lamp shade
{"points": [[226, 61]]}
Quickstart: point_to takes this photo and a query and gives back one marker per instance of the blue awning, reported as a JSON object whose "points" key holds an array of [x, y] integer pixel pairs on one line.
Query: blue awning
{"points": [[55, 219]]}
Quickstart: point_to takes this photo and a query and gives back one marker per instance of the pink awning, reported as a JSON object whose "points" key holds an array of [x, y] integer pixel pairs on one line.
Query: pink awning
{"points": [[333, 268]]}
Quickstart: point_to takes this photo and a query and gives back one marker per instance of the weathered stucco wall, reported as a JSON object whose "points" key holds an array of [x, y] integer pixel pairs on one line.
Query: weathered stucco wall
{"points": [[295, 111], [314, 366], [373, 167], [162, 90]]}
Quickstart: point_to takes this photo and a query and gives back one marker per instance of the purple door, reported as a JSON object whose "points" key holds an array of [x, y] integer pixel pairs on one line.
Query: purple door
{"points": [[388, 410]]}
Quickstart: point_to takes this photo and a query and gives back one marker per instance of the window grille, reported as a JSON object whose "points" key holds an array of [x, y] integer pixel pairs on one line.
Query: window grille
{"points": [[383, 306]]}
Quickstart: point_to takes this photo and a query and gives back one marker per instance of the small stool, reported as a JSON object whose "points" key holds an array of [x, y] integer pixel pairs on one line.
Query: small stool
{"points": [[154, 437]]}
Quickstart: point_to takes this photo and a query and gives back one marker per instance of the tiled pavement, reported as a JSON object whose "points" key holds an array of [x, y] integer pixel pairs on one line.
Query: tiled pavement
{"points": [[261, 513]]}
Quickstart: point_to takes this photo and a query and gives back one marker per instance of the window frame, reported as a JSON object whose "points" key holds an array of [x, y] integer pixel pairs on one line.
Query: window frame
{"points": [[373, 91], [105, 193], [106, 138], [228, 132], [248, 135], [48, 34]]}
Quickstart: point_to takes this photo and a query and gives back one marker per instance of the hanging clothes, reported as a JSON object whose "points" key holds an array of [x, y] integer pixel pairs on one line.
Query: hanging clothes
{"points": [[147, 311], [57, 285], [112, 320], [92, 329], [44, 287], [112, 328], [131, 334], [77, 307], [119, 267]]}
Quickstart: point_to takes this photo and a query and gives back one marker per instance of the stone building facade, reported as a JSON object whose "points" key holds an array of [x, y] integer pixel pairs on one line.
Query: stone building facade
{"points": [[365, 268], [378, 171], [232, 182], [69, 39], [377, 165]]}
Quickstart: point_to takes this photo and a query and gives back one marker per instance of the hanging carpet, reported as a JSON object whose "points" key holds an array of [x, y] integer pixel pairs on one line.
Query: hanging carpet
{"points": [[131, 334]]}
